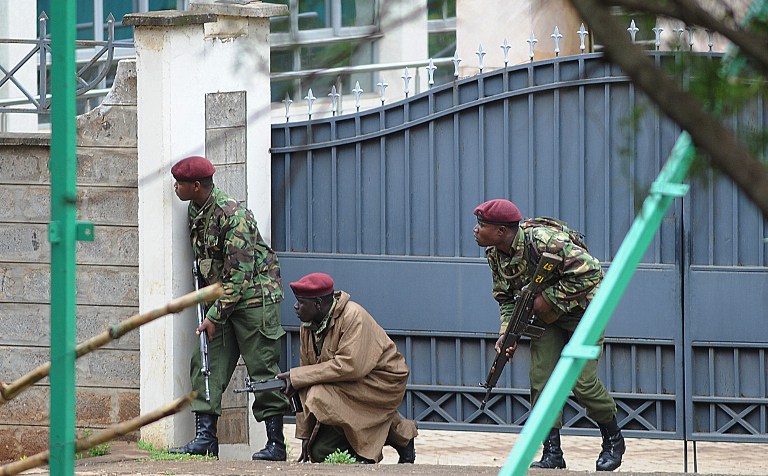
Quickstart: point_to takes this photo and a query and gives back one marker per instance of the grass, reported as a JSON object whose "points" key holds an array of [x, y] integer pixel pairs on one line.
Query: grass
{"points": [[98, 450], [340, 457], [163, 454]]}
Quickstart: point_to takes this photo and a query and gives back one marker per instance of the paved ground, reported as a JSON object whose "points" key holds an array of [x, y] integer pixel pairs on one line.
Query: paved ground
{"points": [[455, 453]]}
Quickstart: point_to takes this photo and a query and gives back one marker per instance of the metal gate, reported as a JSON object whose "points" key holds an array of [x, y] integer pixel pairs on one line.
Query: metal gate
{"points": [[382, 200]]}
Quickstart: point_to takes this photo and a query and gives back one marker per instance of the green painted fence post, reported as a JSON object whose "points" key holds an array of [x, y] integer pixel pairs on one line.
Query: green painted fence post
{"points": [[61, 234]]}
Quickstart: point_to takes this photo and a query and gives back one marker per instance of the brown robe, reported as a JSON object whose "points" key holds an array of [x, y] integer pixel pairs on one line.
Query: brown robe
{"points": [[356, 383]]}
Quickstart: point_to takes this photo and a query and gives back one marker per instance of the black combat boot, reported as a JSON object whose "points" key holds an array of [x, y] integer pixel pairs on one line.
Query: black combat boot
{"points": [[275, 448], [552, 456], [205, 442], [407, 453], [613, 447]]}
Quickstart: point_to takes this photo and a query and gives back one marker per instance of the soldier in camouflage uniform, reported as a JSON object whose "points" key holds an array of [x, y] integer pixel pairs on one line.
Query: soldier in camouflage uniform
{"points": [[513, 250], [245, 320]]}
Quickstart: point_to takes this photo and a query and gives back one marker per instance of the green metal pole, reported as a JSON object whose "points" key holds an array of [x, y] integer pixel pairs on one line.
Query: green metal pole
{"points": [[61, 234], [582, 344]]}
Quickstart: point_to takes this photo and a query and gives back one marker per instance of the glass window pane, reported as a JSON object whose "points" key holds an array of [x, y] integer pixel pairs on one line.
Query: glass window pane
{"points": [[155, 5], [441, 44], [314, 14], [441, 9], [356, 13], [280, 24], [327, 56], [84, 19], [279, 89], [435, 9], [450, 7], [281, 61]]}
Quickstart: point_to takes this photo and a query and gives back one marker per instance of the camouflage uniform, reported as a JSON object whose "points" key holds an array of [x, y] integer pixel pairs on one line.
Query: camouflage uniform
{"points": [[580, 276], [229, 248]]}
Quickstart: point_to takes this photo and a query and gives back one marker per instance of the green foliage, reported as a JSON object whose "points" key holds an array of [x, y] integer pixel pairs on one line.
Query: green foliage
{"points": [[163, 454], [98, 450], [340, 457]]}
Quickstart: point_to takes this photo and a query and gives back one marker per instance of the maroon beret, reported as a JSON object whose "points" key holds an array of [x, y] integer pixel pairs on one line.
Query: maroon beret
{"points": [[313, 285], [192, 168], [498, 212]]}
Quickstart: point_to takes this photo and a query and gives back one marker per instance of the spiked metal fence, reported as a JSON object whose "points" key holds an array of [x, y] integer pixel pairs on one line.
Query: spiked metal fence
{"points": [[382, 200], [89, 76]]}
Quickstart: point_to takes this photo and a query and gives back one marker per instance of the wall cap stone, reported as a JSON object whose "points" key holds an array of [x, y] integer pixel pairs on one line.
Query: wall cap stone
{"points": [[25, 138], [168, 18], [239, 8]]}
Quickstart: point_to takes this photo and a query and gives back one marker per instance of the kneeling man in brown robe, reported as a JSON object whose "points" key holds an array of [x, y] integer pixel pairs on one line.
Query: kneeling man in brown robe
{"points": [[351, 378]]}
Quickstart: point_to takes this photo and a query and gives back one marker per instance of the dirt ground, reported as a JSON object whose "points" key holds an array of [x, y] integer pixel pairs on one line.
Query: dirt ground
{"points": [[233, 468], [132, 461]]}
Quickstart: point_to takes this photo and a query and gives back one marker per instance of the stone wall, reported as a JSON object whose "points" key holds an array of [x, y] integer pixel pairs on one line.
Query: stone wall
{"points": [[107, 274]]}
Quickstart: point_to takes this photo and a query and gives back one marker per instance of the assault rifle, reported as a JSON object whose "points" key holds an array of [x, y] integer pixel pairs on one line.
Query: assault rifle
{"points": [[271, 385], [205, 368], [521, 323]]}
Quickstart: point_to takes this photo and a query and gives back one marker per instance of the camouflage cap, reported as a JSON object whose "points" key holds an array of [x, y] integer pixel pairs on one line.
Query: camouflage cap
{"points": [[193, 168], [313, 285], [498, 212]]}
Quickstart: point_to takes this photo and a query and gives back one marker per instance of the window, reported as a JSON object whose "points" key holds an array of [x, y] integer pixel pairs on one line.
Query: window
{"points": [[98, 10], [322, 34], [441, 22]]}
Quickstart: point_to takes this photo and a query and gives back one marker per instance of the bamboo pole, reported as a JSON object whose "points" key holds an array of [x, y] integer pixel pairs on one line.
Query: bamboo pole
{"points": [[208, 293], [103, 436]]}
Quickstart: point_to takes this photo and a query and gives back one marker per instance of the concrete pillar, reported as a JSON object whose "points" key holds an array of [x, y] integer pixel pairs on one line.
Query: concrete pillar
{"points": [[186, 63], [488, 22], [18, 21]]}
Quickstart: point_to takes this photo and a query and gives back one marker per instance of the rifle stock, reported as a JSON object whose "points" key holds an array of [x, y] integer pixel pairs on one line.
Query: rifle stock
{"points": [[205, 368], [521, 323], [271, 385]]}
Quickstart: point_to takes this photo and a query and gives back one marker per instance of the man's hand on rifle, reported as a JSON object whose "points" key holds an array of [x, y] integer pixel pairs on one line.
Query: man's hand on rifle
{"points": [[543, 310], [289, 390], [509, 351], [208, 327]]}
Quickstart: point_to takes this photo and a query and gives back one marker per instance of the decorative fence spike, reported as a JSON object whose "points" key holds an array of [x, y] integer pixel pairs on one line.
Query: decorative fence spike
{"points": [[531, 42], [456, 60], [679, 32], [287, 102], [310, 99], [633, 29], [657, 32], [334, 99], [480, 55], [582, 33], [690, 36], [505, 47], [382, 87], [406, 81], [431, 72], [358, 91], [557, 35]]}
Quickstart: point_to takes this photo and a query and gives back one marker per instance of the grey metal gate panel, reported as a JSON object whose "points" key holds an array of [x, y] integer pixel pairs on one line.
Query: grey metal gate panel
{"points": [[726, 308], [382, 200]]}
